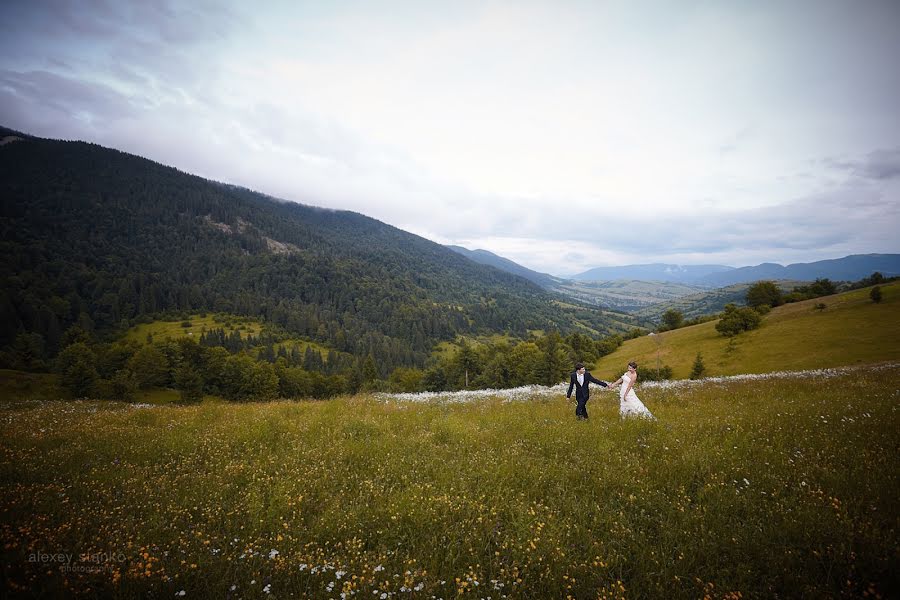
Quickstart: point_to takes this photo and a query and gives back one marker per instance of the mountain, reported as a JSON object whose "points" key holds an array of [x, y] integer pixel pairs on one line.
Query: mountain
{"points": [[104, 239], [687, 274], [504, 264], [849, 268]]}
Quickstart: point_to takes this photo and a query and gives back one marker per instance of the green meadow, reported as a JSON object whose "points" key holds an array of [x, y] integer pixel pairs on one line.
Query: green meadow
{"points": [[780, 486], [200, 323], [834, 331], [174, 329]]}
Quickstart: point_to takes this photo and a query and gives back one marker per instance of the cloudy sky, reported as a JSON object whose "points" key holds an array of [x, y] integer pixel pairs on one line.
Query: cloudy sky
{"points": [[562, 135]]}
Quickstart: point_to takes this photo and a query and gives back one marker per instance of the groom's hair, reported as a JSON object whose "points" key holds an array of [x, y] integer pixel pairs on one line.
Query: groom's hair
{"points": [[579, 366]]}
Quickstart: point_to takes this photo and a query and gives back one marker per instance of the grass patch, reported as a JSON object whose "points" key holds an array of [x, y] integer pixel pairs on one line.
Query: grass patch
{"points": [[771, 488], [175, 329]]}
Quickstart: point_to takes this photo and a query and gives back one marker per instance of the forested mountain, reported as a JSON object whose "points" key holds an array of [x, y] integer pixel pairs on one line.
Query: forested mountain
{"points": [[504, 264], [103, 239]]}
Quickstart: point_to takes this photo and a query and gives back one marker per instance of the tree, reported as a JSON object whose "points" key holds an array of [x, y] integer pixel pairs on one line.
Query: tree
{"points": [[150, 367], [465, 365], [699, 368], [875, 294], [28, 352], [369, 372], [189, 383], [123, 385], [673, 318], [556, 360], [764, 293], [77, 367], [404, 379], [735, 320]]}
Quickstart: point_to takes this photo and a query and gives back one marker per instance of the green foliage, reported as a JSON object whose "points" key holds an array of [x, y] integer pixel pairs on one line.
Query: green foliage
{"points": [[817, 289], [404, 379], [189, 382], [699, 367], [150, 367], [28, 352], [672, 319], [77, 367], [764, 293], [737, 320], [649, 372], [875, 294]]}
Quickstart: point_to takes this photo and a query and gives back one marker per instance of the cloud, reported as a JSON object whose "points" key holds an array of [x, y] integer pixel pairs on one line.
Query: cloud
{"points": [[554, 134]]}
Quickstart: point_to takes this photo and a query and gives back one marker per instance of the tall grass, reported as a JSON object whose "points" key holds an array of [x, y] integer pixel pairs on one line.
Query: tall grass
{"points": [[781, 487]]}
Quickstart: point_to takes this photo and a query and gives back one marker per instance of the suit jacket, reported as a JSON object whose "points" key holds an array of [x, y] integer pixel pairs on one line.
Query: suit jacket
{"points": [[583, 391]]}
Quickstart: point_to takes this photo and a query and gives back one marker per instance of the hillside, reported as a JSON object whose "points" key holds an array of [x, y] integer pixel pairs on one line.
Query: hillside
{"points": [[850, 330], [706, 302], [105, 239], [504, 264]]}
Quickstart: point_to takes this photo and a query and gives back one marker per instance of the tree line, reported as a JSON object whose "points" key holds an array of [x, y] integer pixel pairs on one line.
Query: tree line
{"points": [[121, 369]]}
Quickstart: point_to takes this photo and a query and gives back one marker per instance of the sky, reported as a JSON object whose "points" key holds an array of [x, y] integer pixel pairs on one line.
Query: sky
{"points": [[563, 135]]}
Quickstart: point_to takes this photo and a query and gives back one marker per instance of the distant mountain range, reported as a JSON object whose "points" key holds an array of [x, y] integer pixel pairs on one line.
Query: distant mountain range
{"points": [[849, 268], [647, 290], [689, 274]]}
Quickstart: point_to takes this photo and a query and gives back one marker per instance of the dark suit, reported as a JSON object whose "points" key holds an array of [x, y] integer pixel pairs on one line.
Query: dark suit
{"points": [[582, 392]]}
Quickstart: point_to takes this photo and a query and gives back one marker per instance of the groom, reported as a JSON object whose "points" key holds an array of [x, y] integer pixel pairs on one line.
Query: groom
{"points": [[581, 380]]}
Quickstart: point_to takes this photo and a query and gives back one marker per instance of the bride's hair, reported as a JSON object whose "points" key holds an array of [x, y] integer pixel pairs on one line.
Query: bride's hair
{"points": [[633, 365]]}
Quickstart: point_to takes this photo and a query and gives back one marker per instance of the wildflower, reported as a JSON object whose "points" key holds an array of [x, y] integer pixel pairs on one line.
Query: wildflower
{"points": [[273, 553], [181, 593], [268, 588]]}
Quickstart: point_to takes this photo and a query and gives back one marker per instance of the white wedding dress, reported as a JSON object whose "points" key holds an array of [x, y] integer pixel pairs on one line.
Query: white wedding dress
{"points": [[630, 405]]}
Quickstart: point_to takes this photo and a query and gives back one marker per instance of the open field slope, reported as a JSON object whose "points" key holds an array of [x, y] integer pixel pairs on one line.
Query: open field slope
{"points": [[851, 329], [784, 486]]}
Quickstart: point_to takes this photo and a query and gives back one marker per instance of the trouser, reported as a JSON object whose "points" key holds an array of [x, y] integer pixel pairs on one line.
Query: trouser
{"points": [[581, 408]]}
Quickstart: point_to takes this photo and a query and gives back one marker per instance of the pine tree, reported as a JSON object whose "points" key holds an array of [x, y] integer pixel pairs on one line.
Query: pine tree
{"points": [[699, 368]]}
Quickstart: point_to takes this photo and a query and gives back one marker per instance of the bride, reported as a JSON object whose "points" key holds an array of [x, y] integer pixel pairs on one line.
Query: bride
{"points": [[629, 404]]}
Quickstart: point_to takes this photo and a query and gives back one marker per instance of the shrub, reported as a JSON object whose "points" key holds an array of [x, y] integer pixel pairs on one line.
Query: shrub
{"points": [[650, 373], [673, 318], [875, 294], [736, 320], [764, 292]]}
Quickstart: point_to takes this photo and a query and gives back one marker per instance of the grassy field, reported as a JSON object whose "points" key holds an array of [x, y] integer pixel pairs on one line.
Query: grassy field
{"points": [[173, 330], [778, 487], [163, 330], [851, 329]]}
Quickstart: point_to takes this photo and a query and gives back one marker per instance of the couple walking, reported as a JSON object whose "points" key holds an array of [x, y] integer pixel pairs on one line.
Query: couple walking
{"points": [[629, 404]]}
